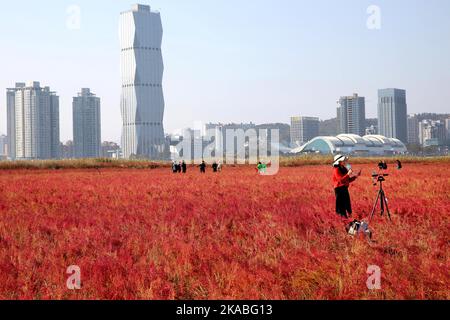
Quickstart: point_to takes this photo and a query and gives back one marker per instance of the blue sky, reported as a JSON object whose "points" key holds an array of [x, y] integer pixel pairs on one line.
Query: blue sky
{"points": [[230, 60]]}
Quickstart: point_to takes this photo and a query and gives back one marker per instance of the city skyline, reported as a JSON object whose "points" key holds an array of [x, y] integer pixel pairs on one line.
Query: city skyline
{"points": [[230, 78]]}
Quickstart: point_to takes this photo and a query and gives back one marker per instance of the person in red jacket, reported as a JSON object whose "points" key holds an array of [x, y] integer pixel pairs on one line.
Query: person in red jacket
{"points": [[342, 177]]}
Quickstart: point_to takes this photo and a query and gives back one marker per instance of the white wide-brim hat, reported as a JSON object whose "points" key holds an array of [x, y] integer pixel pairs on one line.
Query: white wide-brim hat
{"points": [[338, 158]]}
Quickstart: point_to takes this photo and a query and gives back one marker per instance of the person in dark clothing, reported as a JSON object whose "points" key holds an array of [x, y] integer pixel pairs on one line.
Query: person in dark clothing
{"points": [[184, 166], [174, 167], [382, 165], [203, 167], [342, 177], [179, 167], [399, 164], [214, 166]]}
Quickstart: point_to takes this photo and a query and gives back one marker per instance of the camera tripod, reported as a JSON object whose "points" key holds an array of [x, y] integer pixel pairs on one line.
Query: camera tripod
{"points": [[381, 197]]}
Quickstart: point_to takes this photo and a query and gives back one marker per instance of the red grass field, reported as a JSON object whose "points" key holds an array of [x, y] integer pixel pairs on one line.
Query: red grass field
{"points": [[150, 234]]}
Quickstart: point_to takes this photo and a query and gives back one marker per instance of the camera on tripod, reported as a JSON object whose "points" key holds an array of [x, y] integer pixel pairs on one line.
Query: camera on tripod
{"points": [[378, 178]]}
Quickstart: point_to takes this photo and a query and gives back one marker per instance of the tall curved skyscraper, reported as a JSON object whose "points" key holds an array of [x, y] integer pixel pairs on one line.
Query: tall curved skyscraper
{"points": [[142, 100]]}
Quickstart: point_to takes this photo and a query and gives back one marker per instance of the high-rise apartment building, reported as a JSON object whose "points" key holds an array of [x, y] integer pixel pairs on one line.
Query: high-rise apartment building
{"points": [[33, 122], [303, 129], [447, 128], [86, 125], [392, 114], [413, 129], [3, 145], [351, 115], [11, 119]]}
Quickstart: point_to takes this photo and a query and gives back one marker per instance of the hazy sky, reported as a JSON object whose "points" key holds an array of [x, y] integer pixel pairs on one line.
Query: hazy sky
{"points": [[235, 60]]}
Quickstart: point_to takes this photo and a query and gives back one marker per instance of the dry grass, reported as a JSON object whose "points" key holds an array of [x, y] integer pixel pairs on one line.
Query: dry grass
{"points": [[150, 234], [82, 164], [145, 164]]}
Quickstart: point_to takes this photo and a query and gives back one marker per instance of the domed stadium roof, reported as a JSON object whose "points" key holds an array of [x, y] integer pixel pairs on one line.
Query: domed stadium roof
{"points": [[353, 144]]}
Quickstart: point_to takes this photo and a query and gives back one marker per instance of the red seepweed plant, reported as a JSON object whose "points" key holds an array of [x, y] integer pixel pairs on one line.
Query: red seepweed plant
{"points": [[150, 234]]}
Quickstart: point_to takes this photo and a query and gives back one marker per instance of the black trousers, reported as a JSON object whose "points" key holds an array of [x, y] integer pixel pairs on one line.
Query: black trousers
{"points": [[343, 203]]}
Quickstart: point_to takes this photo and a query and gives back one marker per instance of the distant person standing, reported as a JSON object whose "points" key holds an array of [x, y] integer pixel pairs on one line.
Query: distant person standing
{"points": [[203, 167], [261, 167], [214, 166], [179, 167], [219, 166], [184, 166], [174, 167]]}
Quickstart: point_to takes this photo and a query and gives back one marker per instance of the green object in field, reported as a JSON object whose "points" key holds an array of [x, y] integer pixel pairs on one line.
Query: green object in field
{"points": [[261, 167]]}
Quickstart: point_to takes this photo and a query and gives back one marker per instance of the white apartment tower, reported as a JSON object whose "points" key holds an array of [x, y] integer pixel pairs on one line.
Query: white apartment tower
{"points": [[413, 129], [142, 101], [11, 119], [303, 129], [33, 122], [351, 115], [86, 125], [447, 128]]}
